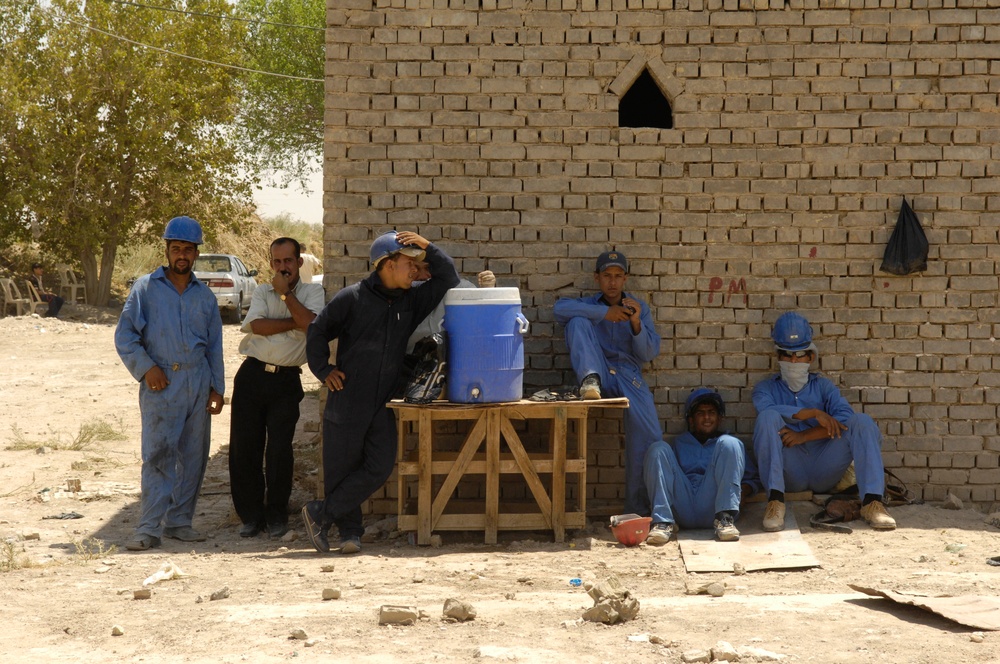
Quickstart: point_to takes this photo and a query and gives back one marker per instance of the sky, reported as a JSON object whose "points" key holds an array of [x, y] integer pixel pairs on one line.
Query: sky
{"points": [[272, 201]]}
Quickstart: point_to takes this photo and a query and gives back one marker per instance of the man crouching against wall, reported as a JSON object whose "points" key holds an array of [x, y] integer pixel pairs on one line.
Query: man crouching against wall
{"points": [[372, 320]]}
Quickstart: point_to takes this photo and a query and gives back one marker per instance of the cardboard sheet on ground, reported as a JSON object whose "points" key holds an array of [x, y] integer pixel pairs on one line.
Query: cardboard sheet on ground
{"points": [[970, 610], [756, 549]]}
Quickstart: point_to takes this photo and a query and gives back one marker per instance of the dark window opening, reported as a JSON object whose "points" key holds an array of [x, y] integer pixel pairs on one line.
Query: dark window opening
{"points": [[644, 105]]}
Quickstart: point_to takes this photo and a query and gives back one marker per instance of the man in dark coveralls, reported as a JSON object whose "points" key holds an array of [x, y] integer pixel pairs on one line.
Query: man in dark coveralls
{"points": [[372, 320]]}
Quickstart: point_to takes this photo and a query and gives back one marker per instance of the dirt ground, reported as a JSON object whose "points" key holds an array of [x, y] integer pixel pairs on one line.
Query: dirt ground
{"points": [[65, 584]]}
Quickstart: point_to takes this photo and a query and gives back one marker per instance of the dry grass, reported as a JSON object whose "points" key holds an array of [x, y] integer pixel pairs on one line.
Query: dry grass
{"points": [[13, 557], [92, 548], [90, 432]]}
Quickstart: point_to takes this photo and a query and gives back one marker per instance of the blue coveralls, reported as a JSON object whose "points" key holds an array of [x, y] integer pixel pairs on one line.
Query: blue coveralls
{"points": [[182, 334], [689, 483], [372, 326], [610, 350], [819, 464]]}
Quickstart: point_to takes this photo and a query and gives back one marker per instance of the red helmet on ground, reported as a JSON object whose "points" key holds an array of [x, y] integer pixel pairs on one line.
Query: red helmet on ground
{"points": [[630, 529]]}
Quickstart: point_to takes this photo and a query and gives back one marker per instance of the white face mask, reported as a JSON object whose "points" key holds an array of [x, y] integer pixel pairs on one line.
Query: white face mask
{"points": [[795, 374]]}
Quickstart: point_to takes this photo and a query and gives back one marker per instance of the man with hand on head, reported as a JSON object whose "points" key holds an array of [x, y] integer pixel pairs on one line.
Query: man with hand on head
{"points": [[169, 337], [372, 321], [267, 390], [806, 434], [610, 335], [699, 480]]}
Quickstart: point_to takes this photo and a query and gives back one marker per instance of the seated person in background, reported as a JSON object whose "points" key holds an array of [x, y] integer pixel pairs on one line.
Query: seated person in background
{"points": [[699, 480], [311, 265], [433, 324], [610, 336], [55, 302], [806, 434]]}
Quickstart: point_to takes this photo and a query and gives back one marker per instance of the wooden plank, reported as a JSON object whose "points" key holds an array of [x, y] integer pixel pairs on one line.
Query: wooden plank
{"points": [[401, 479], [459, 467], [581, 453], [756, 549], [527, 469], [506, 521], [559, 474], [425, 430], [492, 473], [445, 461]]}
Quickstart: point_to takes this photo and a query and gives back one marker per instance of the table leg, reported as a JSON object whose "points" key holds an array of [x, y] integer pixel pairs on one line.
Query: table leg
{"points": [[559, 475], [492, 475], [425, 428]]}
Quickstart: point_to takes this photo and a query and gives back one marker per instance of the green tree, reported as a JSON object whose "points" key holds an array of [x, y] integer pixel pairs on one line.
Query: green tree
{"points": [[117, 138], [281, 119]]}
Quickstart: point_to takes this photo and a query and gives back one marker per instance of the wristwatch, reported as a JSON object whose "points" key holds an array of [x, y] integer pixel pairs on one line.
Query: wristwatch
{"points": [[284, 295]]}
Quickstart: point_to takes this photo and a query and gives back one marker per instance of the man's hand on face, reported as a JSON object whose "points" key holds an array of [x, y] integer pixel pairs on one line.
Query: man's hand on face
{"points": [[280, 283]]}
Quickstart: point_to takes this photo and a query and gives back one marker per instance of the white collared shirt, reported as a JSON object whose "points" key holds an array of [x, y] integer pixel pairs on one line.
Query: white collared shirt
{"points": [[286, 349]]}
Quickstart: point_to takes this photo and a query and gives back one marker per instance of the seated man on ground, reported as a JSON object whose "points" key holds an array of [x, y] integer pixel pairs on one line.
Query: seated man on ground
{"points": [[806, 434], [699, 480], [610, 335]]}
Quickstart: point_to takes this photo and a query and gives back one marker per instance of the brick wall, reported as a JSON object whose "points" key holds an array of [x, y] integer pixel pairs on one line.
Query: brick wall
{"points": [[491, 127]]}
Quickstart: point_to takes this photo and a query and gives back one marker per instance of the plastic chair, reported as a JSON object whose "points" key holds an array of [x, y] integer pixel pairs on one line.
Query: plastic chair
{"points": [[13, 298], [68, 284], [35, 300]]}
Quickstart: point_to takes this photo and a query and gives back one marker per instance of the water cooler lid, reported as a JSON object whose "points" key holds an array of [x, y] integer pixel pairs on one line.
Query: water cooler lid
{"points": [[459, 296]]}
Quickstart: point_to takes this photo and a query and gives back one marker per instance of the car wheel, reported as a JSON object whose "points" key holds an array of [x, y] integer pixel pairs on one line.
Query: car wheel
{"points": [[236, 313]]}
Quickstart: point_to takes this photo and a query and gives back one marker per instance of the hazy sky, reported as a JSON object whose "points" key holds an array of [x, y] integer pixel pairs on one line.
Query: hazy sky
{"points": [[272, 201]]}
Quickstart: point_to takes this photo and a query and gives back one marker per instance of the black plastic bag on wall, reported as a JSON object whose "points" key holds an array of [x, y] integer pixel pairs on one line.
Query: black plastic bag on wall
{"points": [[906, 251]]}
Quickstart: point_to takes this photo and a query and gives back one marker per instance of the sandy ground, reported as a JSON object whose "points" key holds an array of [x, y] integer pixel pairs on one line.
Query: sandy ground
{"points": [[66, 584]]}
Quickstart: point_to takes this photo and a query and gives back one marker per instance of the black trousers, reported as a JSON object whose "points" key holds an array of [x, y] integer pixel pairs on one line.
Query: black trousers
{"points": [[358, 458], [265, 409]]}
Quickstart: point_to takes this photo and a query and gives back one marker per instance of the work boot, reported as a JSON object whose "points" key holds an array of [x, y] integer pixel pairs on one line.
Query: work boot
{"points": [[725, 528], [876, 516], [774, 516], [312, 518], [184, 534], [277, 529], [661, 533], [350, 545], [251, 529], [590, 388]]}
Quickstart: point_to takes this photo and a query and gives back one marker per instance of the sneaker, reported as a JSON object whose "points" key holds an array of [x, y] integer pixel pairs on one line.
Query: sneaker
{"points": [[143, 542], [590, 388], [183, 533], [774, 516], [725, 529], [350, 545], [661, 533], [876, 516], [313, 523]]}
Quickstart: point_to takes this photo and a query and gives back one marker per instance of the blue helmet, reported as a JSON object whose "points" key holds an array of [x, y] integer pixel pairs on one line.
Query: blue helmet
{"points": [[386, 245], [704, 395], [792, 332], [185, 229]]}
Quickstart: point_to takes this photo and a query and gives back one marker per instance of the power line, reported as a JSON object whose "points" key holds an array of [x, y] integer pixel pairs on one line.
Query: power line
{"points": [[223, 17], [186, 57]]}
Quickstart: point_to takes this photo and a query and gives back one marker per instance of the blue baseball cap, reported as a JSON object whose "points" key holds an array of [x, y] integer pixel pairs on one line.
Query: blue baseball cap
{"points": [[611, 259]]}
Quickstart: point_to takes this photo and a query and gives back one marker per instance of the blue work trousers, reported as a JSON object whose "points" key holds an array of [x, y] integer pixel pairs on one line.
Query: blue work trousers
{"points": [[819, 464], [642, 425], [676, 499], [176, 437]]}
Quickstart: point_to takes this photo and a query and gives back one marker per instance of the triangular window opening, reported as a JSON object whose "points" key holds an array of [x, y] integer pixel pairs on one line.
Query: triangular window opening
{"points": [[644, 105]]}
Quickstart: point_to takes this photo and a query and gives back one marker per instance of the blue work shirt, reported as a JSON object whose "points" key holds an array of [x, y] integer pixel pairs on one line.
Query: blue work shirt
{"points": [[619, 345], [162, 327], [694, 459], [774, 394]]}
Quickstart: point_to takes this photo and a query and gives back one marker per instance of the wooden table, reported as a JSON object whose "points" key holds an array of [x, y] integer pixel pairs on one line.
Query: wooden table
{"points": [[491, 423]]}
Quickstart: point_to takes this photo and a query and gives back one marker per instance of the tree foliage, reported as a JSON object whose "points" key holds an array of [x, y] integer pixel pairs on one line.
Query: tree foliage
{"points": [[281, 120], [106, 139]]}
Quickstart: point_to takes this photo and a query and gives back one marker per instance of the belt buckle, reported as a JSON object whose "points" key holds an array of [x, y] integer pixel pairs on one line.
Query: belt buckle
{"points": [[176, 366], [270, 368]]}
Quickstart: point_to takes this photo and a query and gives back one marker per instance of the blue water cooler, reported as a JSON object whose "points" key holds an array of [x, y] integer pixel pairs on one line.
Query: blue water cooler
{"points": [[485, 344]]}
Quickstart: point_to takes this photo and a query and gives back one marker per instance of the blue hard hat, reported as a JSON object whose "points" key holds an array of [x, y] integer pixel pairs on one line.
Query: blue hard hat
{"points": [[704, 395], [792, 332], [185, 229], [386, 245]]}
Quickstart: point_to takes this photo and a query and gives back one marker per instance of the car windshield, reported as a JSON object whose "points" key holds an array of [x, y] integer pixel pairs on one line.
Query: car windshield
{"points": [[212, 264]]}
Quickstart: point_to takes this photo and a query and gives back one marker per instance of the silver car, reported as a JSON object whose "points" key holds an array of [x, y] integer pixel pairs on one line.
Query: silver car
{"points": [[230, 280]]}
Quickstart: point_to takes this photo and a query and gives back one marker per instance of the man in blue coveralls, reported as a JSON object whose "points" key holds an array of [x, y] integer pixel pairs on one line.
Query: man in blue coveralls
{"points": [[169, 337], [700, 479], [372, 321], [610, 336], [806, 434]]}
